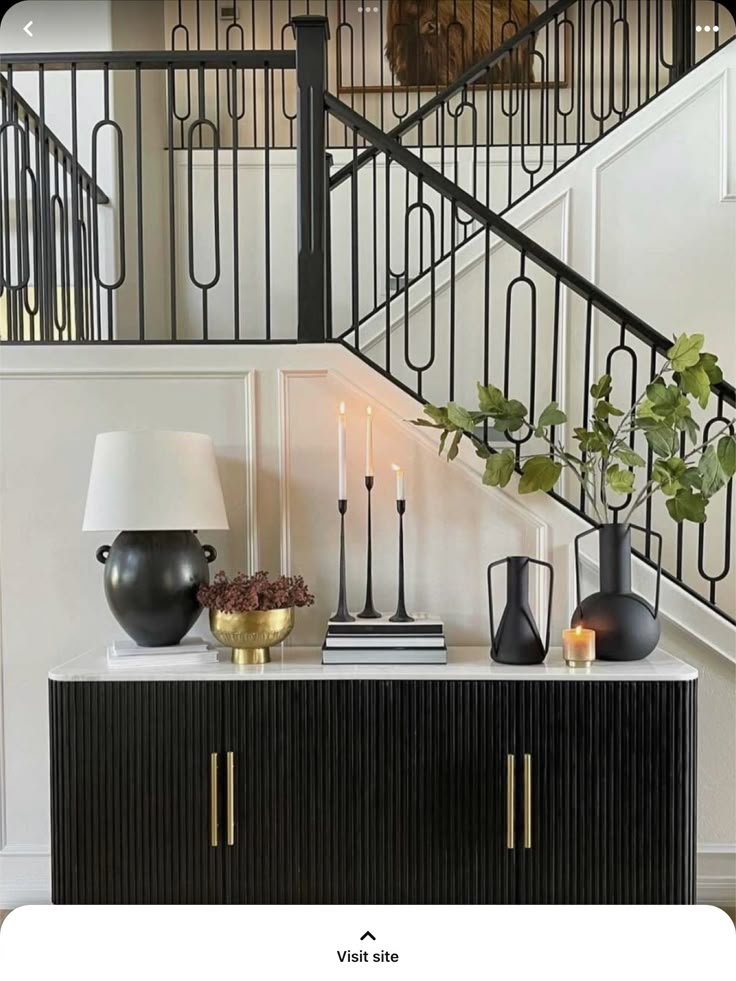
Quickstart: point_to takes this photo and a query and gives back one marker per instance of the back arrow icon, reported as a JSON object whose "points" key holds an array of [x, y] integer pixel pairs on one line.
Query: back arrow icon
{"points": [[26, 28]]}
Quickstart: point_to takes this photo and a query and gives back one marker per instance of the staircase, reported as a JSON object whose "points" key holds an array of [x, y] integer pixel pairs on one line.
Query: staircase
{"points": [[384, 283], [533, 326]]}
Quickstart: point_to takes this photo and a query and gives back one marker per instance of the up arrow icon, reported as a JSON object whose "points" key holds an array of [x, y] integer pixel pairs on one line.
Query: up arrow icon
{"points": [[367, 934]]}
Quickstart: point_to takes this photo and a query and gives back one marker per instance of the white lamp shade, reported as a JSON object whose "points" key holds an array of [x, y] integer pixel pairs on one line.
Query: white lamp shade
{"points": [[154, 481]]}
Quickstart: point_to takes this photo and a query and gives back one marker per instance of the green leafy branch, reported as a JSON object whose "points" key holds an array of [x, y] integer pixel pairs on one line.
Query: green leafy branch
{"points": [[604, 459]]}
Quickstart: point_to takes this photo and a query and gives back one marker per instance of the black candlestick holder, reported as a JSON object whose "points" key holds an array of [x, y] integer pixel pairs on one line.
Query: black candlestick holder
{"points": [[343, 614], [369, 612], [401, 616]]}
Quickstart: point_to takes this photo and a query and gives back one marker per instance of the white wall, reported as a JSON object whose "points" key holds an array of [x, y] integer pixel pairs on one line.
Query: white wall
{"points": [[272, 414]]}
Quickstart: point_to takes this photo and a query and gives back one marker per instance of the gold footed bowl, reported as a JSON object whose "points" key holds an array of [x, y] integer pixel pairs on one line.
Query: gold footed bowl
{"points": [[251, 634]]}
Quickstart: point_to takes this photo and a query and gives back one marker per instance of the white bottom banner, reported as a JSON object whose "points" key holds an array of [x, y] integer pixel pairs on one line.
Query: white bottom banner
{"points": [[422, 943]]}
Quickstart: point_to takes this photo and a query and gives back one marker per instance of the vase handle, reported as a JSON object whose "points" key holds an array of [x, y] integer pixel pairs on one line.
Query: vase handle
{"points": [[657, 535], [103, 553], [490, 598], [210, 553], [582, 534], [547, 565]]}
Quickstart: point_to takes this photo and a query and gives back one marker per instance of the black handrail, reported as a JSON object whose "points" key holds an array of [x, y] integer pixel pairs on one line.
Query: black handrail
{"points": [[385, 143], [130, 60], [52, 140], [473, 74]]}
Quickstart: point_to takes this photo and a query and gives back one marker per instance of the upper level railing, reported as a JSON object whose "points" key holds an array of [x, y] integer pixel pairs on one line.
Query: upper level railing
{"points": [[168, 253], [388, 59]]}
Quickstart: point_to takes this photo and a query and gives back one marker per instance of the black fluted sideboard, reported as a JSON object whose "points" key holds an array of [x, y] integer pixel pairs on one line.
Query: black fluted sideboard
{"points": [[299, 783]]}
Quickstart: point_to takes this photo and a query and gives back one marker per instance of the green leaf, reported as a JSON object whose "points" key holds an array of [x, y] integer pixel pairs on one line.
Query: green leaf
{"points": [[727, 455], [590, 442], [686, 506], [621, 481], [437, 413], [508, 424], [604, 409], [695, 381], [664, 399], [491, 399], [454, 446], [482, 451], [601, 427], [628, 456], [663, 441], [551, 416], [667, 474], [644, 412], [499, 468], [460, 417], [709, 468], [685, 352], [539, 473], [692, 429], [443, 440], [709, 364], [426, 422], [601, 388], [691, 479]]}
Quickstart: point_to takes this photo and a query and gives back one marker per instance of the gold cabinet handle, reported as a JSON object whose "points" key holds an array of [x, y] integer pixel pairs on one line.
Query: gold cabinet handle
{"points": [[510, 800], [527, 800], [213, 800], [231, 798]]}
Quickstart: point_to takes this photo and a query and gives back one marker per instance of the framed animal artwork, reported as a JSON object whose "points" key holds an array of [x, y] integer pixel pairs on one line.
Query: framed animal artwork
{"points": [[389, 45]]}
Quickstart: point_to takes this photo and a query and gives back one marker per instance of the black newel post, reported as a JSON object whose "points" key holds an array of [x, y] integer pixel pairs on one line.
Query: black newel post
{"points": [[683, 38], [311, 34]]}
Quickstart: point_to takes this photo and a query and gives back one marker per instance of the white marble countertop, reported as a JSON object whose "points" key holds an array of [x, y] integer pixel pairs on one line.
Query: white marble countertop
{"points": [[304, 664]]}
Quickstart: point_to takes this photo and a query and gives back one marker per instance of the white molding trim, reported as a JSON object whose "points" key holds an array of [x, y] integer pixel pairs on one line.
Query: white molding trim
{"points": [[716, 878], [720, 80], [285, 375]]}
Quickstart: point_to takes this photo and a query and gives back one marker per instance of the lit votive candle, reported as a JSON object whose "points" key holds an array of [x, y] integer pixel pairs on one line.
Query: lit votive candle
{"points": [[578, 646]]}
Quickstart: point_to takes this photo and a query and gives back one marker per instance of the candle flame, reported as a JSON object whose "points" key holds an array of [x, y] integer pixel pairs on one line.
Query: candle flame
{"points": [[369, 411], [578, 630], [342, 408], [396, 467]]}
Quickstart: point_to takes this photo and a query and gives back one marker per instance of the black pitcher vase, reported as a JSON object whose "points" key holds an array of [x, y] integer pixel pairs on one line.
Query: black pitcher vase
{"points": [[626, 626], [517, 639]]}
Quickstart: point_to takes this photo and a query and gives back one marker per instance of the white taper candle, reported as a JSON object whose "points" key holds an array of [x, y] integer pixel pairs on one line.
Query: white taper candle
{"points": [[400, 493], [342, 464], [369, 442]]}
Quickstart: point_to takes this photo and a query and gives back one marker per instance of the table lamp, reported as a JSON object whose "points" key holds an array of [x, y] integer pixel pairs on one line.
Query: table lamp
{"points": [[155, 488]]}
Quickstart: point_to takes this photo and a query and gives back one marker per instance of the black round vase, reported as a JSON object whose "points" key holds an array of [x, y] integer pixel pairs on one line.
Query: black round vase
{"points": [[517, 639], [626, 626], [151, 583]]}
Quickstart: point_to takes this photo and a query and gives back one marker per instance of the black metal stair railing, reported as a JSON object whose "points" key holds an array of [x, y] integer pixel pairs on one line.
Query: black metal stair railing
{"points": [[152, 257], [530, 324], [594, 63]]}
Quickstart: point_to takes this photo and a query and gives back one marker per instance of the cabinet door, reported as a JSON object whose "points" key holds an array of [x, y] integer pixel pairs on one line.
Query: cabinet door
{"points": [[612, 792], [369, 792], [131, 792]]}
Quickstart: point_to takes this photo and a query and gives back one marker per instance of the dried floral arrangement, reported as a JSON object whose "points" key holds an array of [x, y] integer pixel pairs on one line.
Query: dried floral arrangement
{"points": [[245, 594]]}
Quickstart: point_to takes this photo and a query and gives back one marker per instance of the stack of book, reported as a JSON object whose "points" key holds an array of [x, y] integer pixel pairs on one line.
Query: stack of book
{"points": [[190, 652], [422, 641]]}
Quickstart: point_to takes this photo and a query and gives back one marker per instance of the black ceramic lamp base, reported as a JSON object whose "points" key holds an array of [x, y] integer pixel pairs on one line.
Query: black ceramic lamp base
{"points": [[151, 583]]}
